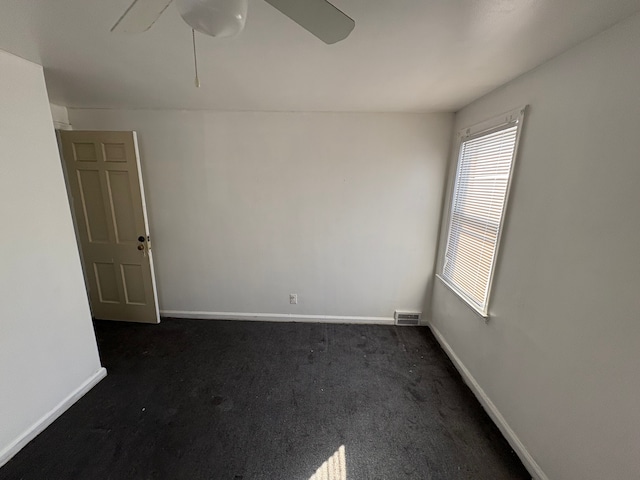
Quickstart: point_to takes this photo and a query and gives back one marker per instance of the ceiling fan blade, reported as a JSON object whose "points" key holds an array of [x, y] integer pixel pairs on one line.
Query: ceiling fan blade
{"points": [[319, 17], [140, 16]]}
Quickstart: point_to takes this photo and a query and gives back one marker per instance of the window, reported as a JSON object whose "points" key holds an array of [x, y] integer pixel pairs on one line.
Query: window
{"points": [[479, 197]]}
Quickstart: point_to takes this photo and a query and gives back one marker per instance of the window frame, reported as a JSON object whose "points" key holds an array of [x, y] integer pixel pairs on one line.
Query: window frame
{"points": [[493, 125]]}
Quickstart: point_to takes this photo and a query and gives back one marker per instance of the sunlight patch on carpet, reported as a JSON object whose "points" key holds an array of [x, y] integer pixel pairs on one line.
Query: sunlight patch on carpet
{"points": [[335, 468]]}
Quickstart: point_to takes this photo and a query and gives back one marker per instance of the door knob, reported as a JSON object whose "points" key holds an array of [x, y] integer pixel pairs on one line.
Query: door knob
{"points": [[141, 238], [140, 247]]}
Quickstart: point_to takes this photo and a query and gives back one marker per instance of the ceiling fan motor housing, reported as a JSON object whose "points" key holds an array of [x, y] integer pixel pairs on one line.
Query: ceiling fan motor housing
{"points": [[217, 18]]}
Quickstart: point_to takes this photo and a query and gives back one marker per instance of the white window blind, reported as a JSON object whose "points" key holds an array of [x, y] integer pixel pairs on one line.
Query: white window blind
{"points": [[478, 203]]}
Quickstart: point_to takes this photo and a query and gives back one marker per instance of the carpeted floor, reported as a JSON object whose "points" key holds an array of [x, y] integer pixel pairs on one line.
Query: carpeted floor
{"points": [[193, 399]]}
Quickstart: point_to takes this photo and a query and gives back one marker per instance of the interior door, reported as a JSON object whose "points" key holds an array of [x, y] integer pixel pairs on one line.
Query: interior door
{"points": [[103, 176]]}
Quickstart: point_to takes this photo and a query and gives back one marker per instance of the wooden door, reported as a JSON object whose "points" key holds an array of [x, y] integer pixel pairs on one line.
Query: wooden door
{"points": [[107, 196]]}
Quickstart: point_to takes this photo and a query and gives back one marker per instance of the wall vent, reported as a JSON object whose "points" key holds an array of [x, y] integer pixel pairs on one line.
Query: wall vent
{"points": [[407, 318]]}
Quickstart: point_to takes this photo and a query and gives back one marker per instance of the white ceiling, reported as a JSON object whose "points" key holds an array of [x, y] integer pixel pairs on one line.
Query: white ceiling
{"points": [[404, 55]]}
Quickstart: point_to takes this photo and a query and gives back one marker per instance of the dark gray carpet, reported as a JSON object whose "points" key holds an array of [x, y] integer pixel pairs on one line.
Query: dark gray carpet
{"points": [[193, 399]]}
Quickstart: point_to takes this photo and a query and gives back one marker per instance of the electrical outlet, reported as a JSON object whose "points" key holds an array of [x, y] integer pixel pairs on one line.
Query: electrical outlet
{"points": [[293, 298]]}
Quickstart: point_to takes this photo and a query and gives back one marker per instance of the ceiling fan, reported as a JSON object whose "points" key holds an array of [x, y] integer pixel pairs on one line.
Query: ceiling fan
{"points": [[224, 18]]}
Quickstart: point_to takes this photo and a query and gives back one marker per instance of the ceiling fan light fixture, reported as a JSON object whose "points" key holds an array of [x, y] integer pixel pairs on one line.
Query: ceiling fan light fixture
{"points": [[217, 18]]}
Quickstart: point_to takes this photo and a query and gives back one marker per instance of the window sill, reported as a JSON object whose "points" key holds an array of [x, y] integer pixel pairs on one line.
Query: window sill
{"points": [[461, 296]]}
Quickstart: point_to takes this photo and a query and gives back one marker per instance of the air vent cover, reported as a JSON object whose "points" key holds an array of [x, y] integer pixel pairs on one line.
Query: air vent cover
{"points": [[407, 318]]}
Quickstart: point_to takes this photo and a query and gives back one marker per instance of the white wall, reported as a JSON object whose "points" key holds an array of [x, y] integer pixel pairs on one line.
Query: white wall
{"points": [[245, 208], [47, 346], [560, 355]]}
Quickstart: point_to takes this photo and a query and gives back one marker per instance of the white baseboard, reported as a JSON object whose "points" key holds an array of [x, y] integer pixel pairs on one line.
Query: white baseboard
{"points": [[530, 464], [19, 443], [277, 317]]}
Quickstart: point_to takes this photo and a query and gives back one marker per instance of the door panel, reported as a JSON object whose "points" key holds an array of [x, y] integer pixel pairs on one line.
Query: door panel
{"points": [[133, 280], [106, 282], [124, 222], [108, 203], [94, 211], [85, 152], [115, 152]]}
